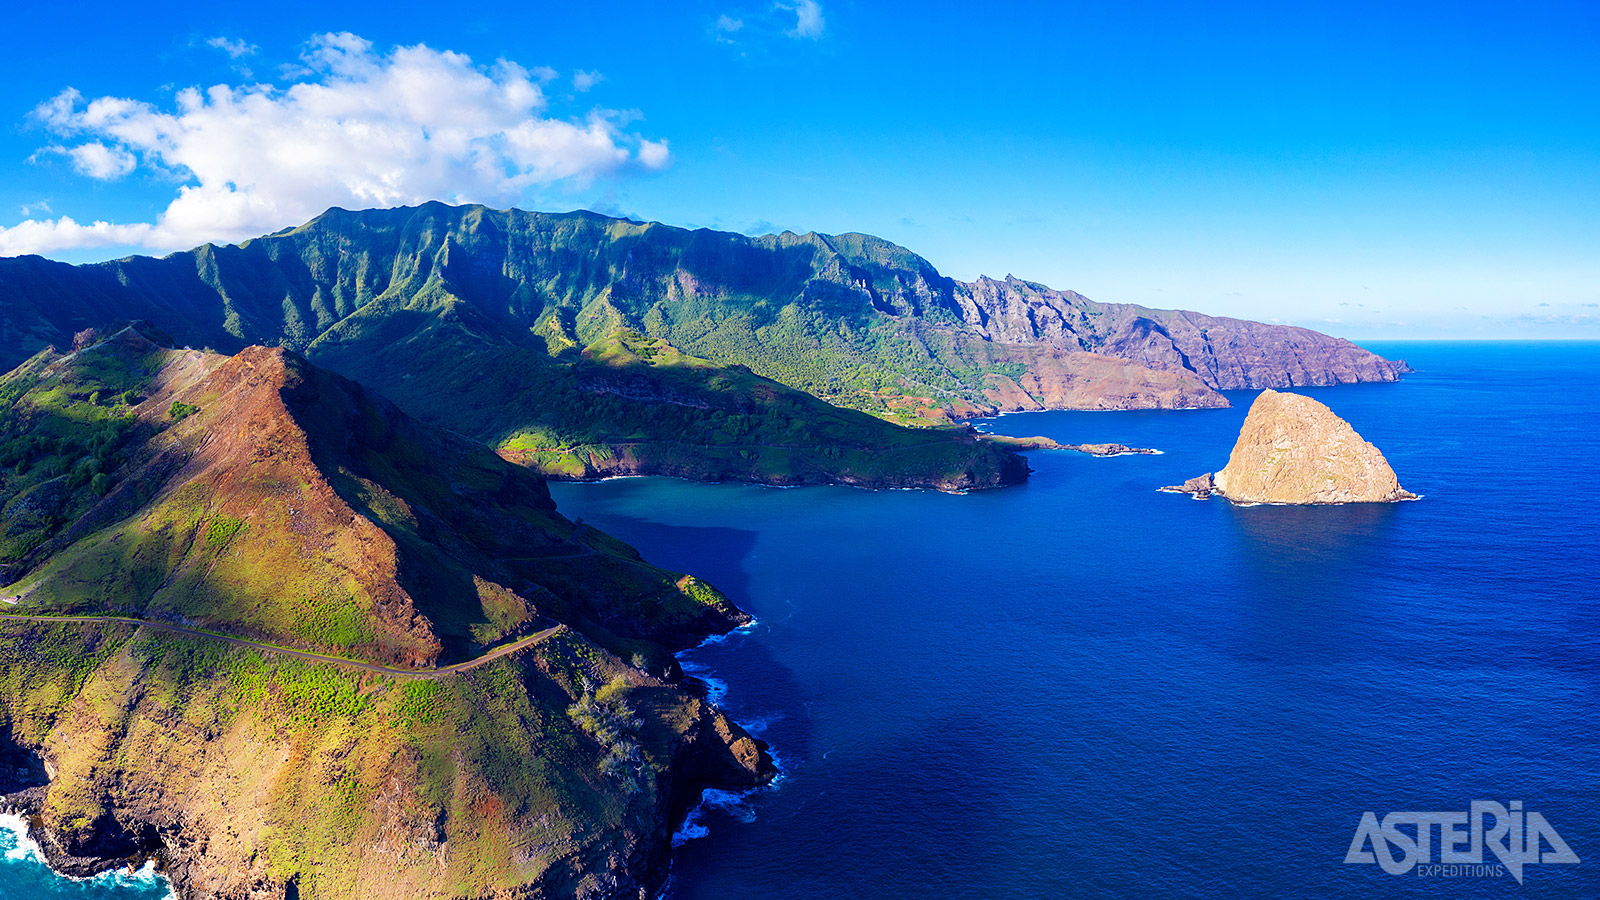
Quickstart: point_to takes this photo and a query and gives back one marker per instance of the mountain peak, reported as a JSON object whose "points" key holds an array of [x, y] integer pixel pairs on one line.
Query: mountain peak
{"points": [[259, 494]]}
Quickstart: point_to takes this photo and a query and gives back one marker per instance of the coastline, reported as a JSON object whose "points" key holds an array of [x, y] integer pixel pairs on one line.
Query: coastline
{"points": [[690, 825], [28, 850], [698, 777]]}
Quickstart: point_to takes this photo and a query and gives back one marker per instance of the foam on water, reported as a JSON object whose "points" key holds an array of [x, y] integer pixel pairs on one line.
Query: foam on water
{"points": [[733, 804], [20, 845], [24, 874]]}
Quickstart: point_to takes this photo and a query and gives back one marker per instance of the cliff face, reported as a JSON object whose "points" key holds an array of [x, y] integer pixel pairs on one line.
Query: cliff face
{"points": [[505, 325], [1293, 449], [1222, 353], [260, 498]]}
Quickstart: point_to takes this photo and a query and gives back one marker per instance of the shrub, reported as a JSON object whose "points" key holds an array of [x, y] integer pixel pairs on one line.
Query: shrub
{"points": [[180, 410], [222, 530]]}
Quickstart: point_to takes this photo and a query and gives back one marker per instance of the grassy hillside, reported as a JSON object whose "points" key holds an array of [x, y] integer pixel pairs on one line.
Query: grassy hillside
{"points": [[551, 773], [234, 478]]}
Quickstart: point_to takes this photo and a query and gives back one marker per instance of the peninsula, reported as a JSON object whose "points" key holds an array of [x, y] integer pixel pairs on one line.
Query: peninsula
{"points": [[273, 632]]}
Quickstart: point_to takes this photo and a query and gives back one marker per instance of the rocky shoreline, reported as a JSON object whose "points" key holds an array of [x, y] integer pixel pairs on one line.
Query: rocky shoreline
{"points": [[714, 752], [1038, 442], [1200, 487], [1003, 471]]}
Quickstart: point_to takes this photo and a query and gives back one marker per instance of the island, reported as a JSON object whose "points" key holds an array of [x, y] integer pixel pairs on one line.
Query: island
{"points": [[1295, 450], [287, 604]]}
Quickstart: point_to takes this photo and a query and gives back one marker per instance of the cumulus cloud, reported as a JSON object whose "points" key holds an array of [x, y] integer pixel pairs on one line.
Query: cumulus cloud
{"points": [[362, 128], [99, 161], [235, 49], [583, 81]]}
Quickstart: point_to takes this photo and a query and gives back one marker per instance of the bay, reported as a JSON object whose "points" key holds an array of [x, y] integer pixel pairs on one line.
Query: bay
{"points": [[1084, 687], [1081, 687]]}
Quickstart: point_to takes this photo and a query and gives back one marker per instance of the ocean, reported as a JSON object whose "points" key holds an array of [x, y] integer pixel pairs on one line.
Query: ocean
{"points": [[1082, 687]]}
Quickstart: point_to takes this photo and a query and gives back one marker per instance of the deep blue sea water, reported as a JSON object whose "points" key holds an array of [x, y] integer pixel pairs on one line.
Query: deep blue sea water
{"points": [[1081, 687], [1084, 688]]}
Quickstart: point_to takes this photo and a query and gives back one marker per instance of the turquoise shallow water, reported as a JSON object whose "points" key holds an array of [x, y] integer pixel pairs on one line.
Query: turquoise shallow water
{"points": [[1081, 687]]}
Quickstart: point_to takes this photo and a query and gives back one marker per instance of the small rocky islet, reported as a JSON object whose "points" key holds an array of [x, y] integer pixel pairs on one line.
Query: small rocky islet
{"points": [[1293, 450]]}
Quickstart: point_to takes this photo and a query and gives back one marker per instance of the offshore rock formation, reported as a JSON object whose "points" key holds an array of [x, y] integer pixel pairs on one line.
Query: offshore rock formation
{"points": [[1043, 443], [1294, 450], [1200, 486]]}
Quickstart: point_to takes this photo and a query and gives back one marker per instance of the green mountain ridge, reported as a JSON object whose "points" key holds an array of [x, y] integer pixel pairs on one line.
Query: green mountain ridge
{"points": [[586, 345]]}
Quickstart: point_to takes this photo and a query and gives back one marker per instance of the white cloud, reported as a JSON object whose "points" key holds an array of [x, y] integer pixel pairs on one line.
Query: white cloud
{"points": [[762, 28], [808, 19], [33, 236], [96, 160], [362, 129], [583, 81], [234, 48], [37, 206]]}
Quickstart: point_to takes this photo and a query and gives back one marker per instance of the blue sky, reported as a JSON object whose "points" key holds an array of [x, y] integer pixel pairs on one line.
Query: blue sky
{"points": [[1371, 170]]}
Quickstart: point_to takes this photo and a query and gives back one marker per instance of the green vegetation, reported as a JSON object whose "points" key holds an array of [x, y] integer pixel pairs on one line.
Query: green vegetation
{"points": [[635, 404], [179, 410], [514, 766], [60, 448], [339, 624], [599, 346], [222, 530], [606, 716], [419, 703]]}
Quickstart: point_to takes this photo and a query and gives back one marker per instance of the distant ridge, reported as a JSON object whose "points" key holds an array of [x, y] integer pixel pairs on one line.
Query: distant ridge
{"points": [[561, 338]]}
